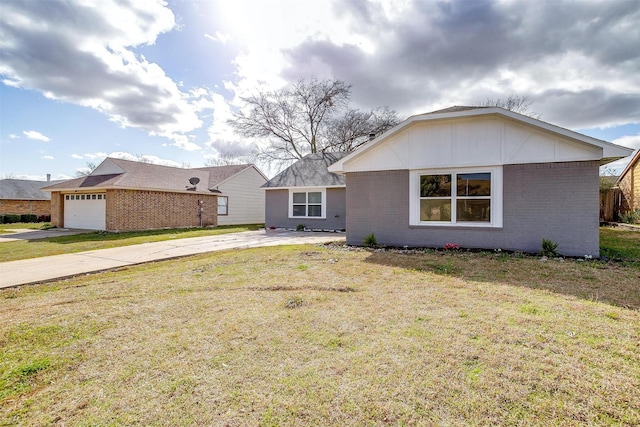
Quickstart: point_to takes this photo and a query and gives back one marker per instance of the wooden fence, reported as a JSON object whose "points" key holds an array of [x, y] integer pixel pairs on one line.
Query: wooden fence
{"points": [[612, 203]]}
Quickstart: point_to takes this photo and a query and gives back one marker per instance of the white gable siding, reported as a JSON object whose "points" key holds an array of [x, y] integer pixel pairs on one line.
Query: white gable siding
{"points": [[470, 142], [246, 198], [107, 167]]}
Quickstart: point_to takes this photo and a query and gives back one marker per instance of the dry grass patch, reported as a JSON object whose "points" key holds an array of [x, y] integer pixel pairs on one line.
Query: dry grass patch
{"points": [[354, 338]]}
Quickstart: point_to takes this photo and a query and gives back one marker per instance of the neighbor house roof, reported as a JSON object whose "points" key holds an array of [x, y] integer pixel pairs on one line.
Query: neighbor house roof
{"points": [[219, 174], [126, 174], [610, 151], [310, 171], [634, 160], [24, 189]]}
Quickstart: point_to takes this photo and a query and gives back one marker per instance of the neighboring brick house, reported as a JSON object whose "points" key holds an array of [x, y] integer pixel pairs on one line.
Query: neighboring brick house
{"points": [[121, 195], [478, 177], [22, 196], [306, 193], [629, 183]]}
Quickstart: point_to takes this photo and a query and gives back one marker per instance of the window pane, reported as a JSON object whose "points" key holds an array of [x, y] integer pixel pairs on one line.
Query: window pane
{"points": [[222, 201], [435, 210], [93, 197], [299, 197], [474, 184], [473, 210], [315, 210], [435, 186], [299, 210], [315, 197]]}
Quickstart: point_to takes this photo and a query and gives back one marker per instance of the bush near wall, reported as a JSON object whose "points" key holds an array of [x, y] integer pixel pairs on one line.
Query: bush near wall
{"points": [[10, 218], [28, 218], [44, 218]]}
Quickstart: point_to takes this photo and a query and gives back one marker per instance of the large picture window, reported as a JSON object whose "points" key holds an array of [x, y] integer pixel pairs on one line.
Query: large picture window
{"points": [[465, 197], [306, 204]]}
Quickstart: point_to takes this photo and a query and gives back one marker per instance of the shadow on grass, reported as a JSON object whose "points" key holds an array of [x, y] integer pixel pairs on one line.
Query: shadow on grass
{"points": [[614, 283]]}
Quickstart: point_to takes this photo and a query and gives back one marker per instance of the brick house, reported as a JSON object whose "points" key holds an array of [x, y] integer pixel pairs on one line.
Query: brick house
{"points": [[478, 177], [629, 183], [121, 195], [22, 196]]}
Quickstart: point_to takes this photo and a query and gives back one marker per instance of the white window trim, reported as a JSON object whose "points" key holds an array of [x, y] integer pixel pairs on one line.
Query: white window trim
{"points": [[323, 207], [496, 197], [227, 206]]}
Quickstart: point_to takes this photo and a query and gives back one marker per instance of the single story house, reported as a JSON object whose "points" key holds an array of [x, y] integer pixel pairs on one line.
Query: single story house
{"points": [[22, 196], [241, 200], [629, 183], [122, 195], [478, 177], [307, 194]]}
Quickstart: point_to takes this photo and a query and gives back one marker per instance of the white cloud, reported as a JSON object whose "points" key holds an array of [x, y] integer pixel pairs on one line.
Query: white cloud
{"points": [[630, 141], [13, 136], [77, 156], [35, 135], [47, 157], [84, 56], [219, 37]]}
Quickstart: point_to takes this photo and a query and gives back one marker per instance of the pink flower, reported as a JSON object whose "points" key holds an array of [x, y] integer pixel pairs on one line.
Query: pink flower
{"points": [[451, 246]]}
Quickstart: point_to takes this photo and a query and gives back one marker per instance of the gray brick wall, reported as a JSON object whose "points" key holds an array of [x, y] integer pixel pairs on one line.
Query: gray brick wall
{"points": [[277, 211], [556, 201]]}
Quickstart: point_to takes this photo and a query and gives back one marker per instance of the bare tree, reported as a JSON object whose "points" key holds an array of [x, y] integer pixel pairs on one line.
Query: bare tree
{"points": [[355, 128], [310, 117], [517, 103], [226, 158], [90, 167]]}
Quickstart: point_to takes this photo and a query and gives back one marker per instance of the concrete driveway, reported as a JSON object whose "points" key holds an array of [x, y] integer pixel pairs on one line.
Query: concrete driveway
{"points": [[36, 270]]}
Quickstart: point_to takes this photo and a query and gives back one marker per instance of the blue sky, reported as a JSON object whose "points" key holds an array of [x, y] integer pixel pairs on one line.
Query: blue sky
{"points": [[155, 80]]}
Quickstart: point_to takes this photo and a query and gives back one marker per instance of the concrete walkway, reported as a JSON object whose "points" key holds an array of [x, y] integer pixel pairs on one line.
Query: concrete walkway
{"points": [[36, 270]]}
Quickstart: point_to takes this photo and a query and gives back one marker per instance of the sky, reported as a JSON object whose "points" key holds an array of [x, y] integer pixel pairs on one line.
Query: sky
{"points": [[158, 80]]}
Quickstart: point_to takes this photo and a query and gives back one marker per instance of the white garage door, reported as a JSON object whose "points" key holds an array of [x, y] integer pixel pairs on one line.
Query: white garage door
{"points": [[86, 211]]}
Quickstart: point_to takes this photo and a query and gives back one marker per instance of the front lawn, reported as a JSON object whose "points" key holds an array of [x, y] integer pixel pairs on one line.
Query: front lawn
{"points": [[25, 249], [620, 243], [311, 335]]}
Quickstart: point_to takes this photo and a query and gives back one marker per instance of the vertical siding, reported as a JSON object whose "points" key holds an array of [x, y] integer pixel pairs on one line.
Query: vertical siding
{"points": [[246, 198], [277, 211], [556, 201]]}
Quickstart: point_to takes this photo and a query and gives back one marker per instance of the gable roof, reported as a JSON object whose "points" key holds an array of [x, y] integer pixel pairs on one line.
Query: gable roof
{"points": [[310, 171], [634, 160], [24, 189], [126, 174], [609, 151], [220, 174]]}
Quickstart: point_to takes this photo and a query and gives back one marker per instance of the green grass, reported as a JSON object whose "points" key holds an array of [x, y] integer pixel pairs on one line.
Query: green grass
{"points": [[617, 243], [24, 249], [247, 337], [10, 228]]}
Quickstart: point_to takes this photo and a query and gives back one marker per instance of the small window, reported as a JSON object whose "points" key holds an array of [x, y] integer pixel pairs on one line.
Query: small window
{"points": [[66, 197], [82, 197], [223, 205], [99, 196], [93, 197], [77, 197]]}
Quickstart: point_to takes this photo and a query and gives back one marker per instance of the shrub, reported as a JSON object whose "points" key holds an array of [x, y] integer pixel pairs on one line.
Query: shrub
{"points": [[630, 217], [28, 218], [11, 218], [44, 218], [371, 241], [300, 227], [549, 248]]}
